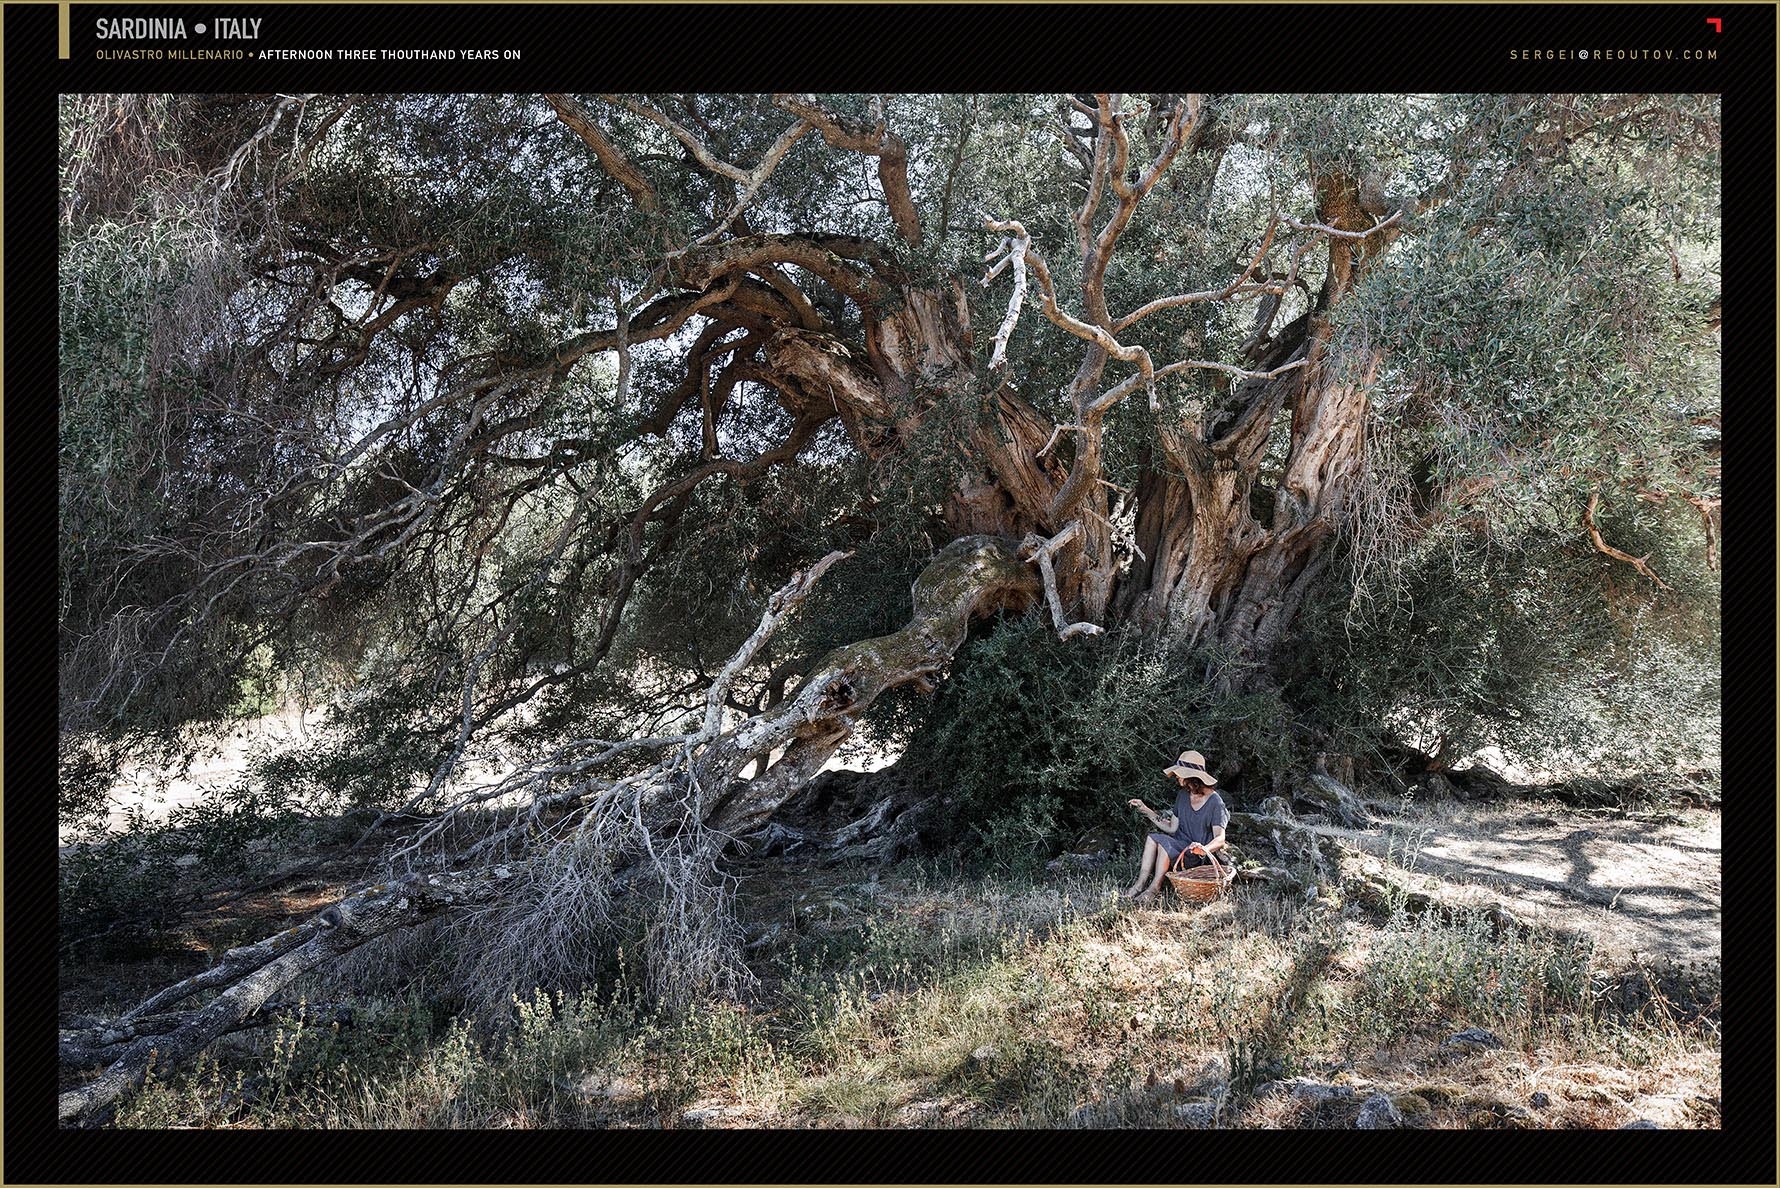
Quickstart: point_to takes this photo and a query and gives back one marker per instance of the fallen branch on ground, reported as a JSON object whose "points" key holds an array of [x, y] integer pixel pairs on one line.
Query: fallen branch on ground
{"points": [[659, 827]]}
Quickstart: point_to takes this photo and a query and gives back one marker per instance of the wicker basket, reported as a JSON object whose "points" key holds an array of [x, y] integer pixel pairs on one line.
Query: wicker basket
{"points": [[1200, 884]]}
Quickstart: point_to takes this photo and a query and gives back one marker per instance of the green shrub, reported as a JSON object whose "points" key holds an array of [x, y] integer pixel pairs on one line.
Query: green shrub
{"points": [[1034, 741], [135, 883], [1432, 971]]}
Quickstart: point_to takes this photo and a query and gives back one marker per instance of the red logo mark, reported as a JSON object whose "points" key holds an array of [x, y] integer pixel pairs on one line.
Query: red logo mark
{"points": [[1717, 24]]}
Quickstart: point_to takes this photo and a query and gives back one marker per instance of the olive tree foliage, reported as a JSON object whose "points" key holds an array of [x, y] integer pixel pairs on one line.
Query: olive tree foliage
{"points": [[493, 423], [473, 402], [1536, 563], [456, 410]]}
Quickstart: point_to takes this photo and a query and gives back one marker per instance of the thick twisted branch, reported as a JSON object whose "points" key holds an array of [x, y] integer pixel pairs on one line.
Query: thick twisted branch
{"points": [[877, 141], [1112, 125], [611, 157]]}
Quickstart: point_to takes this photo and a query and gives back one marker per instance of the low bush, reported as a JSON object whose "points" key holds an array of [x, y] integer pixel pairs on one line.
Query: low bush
{"points": [[1424, 972], [128, 885], [1036, 741]]}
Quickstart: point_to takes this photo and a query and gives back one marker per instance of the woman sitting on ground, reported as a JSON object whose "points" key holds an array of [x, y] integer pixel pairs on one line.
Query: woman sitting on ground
{"points": [[1196, 826]]}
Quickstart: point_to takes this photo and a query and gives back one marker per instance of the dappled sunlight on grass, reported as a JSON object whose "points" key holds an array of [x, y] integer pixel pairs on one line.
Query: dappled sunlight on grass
{"points": [[916, 1002]]}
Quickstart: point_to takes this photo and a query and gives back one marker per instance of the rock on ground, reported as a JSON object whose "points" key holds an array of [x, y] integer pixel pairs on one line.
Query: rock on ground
{"points": [[1475, 1036], [1378, 1113]]}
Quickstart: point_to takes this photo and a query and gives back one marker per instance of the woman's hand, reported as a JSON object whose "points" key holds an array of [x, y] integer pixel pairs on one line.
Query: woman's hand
{"points": [[1198, 849], [1136, 804]]}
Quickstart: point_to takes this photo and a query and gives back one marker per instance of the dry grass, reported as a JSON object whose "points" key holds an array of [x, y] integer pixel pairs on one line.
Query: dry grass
{"points": [[911, 1001]]}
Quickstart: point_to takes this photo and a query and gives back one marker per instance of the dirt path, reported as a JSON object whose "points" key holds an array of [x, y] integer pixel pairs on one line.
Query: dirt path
{"points": [[1643, 884]]}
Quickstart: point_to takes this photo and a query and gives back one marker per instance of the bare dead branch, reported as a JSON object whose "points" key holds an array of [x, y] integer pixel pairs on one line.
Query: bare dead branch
{"points": [[1594, 534], [1237, 373], [1036, 548], [1240, 287], [756, 178], [671, 817], [1016, 255], [229, 174], [231, 966], [528, 783], [1019, 251], [1057, 435], [97, 1044], [1084, 218], [1337, 233], [1096, 335], [779, 607], [749, 180]]}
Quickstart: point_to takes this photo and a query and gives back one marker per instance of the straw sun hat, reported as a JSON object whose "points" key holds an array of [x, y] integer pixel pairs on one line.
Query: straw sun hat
{"points": [[1192, 764]]}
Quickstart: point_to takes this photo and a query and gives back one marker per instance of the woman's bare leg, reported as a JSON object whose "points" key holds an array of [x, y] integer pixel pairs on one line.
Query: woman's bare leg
{"points": [[1145, 869], [1154, 876], [1161, 877]]}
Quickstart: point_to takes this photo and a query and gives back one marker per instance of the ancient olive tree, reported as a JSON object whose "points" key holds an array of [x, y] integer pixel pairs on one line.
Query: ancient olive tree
{"points": [[493, 420]]}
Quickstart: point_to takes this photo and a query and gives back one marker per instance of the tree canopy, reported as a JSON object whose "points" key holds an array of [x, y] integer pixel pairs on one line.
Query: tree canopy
{"points": [[443, 405]]}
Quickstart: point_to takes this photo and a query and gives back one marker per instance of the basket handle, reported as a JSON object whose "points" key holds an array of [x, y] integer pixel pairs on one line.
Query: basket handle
{"points": [[1216, 870]]}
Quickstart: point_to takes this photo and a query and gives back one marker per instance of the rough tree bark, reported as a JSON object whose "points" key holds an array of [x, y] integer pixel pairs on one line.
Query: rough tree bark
{"points": [[1214, 570]]}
